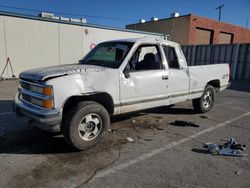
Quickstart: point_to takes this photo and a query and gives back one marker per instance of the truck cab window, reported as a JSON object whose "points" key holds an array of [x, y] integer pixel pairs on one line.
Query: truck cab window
{"points": [[146, 57], [171, 57]]}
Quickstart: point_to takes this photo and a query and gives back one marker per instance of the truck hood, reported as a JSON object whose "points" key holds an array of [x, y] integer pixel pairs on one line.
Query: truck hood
{"points": [[41, 74]]}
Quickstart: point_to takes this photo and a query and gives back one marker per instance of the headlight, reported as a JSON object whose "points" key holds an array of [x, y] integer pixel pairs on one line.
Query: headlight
{"points": [[36, 101], [48, 90], [48, 104], [36, 89]]}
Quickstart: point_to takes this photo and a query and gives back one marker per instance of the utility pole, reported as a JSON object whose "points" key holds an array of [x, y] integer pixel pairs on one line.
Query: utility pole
{"points": [[219, 7]]}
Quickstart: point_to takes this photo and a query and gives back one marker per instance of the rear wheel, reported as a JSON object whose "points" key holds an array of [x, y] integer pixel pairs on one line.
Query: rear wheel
{"points": [[206, 102], [85, 125]]}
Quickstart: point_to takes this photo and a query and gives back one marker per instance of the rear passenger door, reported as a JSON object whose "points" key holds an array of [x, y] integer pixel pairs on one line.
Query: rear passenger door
{"points": [[178, 83]]}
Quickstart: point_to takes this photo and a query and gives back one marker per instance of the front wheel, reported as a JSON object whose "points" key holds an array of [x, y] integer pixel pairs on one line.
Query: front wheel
{"points": [[85, 125], [206, 102]]}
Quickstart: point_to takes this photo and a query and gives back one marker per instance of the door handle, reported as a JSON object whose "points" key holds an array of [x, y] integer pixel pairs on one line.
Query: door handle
{"points": [[164, 77]]}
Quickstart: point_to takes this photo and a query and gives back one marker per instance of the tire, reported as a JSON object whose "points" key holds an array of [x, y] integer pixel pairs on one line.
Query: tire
{"points": [[85, 125], [206, 102]]}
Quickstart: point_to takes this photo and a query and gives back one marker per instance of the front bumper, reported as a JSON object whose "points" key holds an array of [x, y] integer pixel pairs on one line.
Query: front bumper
{"points": [[49, 120]]}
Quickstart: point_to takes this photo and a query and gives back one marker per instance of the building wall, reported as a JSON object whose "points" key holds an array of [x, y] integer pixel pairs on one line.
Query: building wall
{"points": [[177, 28], [3, 55], [240, 34], [31, 43], [183, 30]]}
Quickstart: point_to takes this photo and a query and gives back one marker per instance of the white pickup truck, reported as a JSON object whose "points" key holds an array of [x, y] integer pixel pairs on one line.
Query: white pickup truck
{"points": [[116, 77]]}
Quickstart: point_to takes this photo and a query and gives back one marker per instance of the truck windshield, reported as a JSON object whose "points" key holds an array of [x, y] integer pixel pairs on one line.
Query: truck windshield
{"points": [[108, 54]]}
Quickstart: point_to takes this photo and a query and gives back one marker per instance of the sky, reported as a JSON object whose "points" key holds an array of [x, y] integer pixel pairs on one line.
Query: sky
{"points": [[117, 13]]}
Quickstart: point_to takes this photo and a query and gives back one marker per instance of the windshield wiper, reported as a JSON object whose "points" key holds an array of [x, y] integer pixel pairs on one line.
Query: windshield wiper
{"points": [[81, 61], [91, 62]]}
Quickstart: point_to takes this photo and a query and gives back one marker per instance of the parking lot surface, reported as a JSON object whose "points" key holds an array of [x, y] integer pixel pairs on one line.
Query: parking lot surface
{"points": [[160, 155]]}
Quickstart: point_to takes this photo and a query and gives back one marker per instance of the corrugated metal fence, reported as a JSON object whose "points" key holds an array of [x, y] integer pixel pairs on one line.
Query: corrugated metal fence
{"points": [[237, 55]]}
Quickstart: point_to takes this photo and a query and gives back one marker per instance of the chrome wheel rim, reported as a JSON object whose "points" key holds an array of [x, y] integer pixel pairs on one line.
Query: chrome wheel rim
{"points": [[207, 99], [90, 127]]}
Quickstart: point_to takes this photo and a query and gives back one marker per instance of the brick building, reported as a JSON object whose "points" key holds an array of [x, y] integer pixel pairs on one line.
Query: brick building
{"points": [[191, 29]]}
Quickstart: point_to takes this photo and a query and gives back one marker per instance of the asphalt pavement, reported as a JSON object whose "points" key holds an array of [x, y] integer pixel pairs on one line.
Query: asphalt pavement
{"points": [[160, 155]]}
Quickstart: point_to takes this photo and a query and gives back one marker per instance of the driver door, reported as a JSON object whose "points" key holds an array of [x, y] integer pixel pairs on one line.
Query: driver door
{"points": [[146, 84]]}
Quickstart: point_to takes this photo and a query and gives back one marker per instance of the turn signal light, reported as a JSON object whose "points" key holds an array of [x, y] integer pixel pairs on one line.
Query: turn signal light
{"points": [[48, 91], [48, 104]]}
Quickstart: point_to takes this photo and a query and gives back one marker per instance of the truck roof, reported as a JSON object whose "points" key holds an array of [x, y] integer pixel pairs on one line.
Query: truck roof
{"points": [[145, 39]]}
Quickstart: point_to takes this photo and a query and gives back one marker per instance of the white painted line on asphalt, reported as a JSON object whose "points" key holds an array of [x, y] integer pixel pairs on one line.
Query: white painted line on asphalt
{"points": [[232, 108], [119, 167], [6, 113]]}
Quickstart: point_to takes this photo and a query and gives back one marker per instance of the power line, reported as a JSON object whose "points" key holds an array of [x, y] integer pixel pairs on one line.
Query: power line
{"points": [[68, 13]]}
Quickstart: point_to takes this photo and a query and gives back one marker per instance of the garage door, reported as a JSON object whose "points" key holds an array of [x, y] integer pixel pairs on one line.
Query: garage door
{"points": [[225, 38], [203, 36]]}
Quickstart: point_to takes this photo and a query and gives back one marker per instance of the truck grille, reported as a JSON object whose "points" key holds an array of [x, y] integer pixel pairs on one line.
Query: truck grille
{"points": [[25, 85], [26, 97], [33, 93]]}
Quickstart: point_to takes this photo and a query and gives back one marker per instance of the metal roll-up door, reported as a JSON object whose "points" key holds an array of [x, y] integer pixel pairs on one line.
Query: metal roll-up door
{"points": [[203, 36]]}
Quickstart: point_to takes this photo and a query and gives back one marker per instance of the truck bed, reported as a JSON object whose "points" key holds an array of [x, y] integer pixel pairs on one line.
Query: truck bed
{"points": [[199, 76]]}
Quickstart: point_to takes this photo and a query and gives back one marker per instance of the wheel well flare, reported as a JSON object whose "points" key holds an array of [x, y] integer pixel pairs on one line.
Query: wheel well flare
{"points": [[102, 98]]}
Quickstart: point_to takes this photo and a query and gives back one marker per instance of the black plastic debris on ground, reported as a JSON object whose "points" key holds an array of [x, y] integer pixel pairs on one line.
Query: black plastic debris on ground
{"points": [[180, 123], [204, 117]]}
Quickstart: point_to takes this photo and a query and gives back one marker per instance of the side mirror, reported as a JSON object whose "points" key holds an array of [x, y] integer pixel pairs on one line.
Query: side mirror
{"points": [[126, 72]]}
